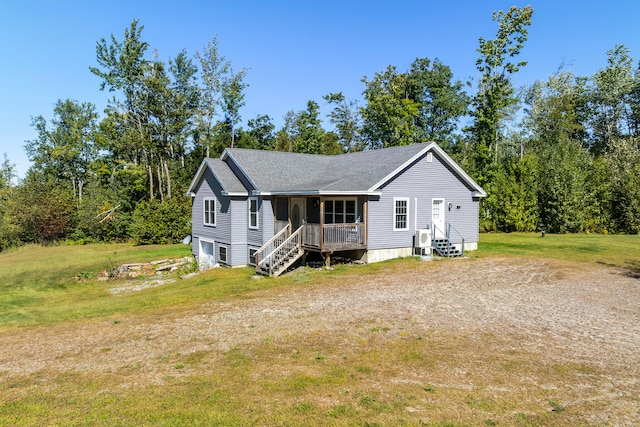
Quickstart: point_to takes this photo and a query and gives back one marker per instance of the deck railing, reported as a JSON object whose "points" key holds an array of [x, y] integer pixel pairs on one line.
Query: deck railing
{"points": [[334, 236], [348, 236]]}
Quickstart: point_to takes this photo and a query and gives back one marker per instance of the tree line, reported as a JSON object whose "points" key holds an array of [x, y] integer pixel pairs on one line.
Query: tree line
{"points": [[560, 155]]}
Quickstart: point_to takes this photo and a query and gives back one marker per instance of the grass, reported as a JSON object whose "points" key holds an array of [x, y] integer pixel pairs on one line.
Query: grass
{"points": [[47, 285], [263, 384], [380, 378], [613, 250]]}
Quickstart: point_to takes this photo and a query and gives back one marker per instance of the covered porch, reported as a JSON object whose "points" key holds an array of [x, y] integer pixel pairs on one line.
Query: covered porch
{"points": [[331, 223]]}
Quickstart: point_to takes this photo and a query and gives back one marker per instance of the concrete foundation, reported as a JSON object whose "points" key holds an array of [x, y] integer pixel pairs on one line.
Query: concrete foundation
{"points": [[378, 255]]}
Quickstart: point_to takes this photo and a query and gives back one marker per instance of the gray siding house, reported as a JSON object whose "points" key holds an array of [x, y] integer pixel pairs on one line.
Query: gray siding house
{"points": [[269, 208]]}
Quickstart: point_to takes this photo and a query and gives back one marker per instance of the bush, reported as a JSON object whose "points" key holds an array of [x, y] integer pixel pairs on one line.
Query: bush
{"points": [[161, 222]]}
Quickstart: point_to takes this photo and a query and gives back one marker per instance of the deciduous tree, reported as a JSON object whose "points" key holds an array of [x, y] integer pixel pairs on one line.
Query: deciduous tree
{"points": [[66, 148], [496, 94]]}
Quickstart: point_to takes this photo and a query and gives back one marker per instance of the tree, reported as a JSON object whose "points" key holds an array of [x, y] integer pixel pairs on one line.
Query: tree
{"points": [[389, 114], [42, 210], [66, 149], [495, 95], [422, 104], [233, 99], [261, 131], [512, 196], [185, 97], [347, 119], [214, 69], [285, 136], [611, 111], [442, 102], [7, 174], [554, 109], [125, 68], [564, 198], [623, 166], [308, 132], [123, 63]]}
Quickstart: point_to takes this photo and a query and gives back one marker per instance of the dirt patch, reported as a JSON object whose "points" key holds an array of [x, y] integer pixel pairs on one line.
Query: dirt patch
{"points": [[562, 313]]}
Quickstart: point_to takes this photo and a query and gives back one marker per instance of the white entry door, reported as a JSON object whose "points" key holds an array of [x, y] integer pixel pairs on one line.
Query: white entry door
{"points": [[297, 213], [207, 255], [437, 218]]}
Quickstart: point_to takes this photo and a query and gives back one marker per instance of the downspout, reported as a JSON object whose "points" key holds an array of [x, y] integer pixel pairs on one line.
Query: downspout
{"points": [[415, 215]]}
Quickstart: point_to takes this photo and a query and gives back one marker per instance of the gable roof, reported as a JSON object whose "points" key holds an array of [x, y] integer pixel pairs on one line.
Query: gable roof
{"points": [[228, 180], [365, 172]]}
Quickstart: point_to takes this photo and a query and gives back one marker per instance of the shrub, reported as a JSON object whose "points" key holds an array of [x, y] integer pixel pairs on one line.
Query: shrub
{"points": [[161, 222]]}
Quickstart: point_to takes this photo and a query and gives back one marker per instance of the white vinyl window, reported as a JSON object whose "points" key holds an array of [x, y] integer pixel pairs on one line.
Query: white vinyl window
{"points": [[209, 211], [400, 214], [340, 211], [222, 254], [253, 212]]}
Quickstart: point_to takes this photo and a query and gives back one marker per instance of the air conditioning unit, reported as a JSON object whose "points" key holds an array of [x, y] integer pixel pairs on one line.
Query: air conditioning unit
{"points": [[422, 239]]}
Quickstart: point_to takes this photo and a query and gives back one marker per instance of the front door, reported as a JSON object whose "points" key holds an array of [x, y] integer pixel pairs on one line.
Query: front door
{"points": [[437, 218], [297, 213]]}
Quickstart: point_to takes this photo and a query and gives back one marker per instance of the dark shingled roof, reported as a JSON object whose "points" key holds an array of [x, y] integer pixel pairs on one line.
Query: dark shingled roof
{"points": [[282, 172], [274, 171], [225, 175]]}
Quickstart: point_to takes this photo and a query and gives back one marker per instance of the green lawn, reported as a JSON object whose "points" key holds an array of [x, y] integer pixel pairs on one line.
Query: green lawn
{"points": [[322, 382], [42, 285], [614, 250]]}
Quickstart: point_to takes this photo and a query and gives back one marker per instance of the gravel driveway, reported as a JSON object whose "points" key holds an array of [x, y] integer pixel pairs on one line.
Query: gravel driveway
{"points": [[562, 311]]}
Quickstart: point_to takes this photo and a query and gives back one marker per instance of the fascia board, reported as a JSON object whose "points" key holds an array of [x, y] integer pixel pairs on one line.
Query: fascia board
{"points": [[317, 193], [235, 193], [196, 178]]}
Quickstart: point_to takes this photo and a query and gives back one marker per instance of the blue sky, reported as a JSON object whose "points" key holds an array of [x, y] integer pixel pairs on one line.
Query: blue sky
{"points": [[295, 51]]}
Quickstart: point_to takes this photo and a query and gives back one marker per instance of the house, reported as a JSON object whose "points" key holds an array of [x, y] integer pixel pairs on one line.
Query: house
{"points": [[269, 208]]}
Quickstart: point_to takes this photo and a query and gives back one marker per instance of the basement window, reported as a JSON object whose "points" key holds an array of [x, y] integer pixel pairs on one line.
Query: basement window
{"points": [[222, 254]]}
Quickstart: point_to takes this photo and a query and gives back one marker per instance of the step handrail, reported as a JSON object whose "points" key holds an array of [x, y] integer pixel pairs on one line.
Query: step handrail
{"points": [[285, 249], [280, 235], [458, 233], [447, 236]]}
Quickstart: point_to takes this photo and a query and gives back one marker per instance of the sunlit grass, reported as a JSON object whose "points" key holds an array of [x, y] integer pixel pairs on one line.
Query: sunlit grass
{"points": [[364, 375], [409, 382], [40, 285], [614, 250]]}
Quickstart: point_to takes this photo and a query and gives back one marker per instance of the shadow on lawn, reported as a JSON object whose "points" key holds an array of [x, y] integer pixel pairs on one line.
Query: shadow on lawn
{"points": [[631, 268]]}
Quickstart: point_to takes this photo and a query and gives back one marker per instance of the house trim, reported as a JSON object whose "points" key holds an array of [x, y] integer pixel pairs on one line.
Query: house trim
{"points": [[318, 193]]}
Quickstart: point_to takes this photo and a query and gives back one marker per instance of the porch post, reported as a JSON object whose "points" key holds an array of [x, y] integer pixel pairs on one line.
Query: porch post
{"points": [[321, 223], [275, 216], [364, 218]]}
